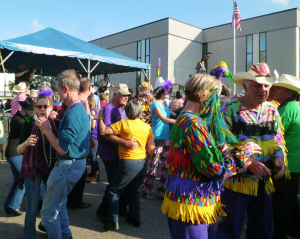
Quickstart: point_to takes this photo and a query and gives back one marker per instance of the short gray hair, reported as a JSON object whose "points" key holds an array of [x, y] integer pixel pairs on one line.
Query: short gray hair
{"points": [[247, 82], [68, 78], [133, 110]]}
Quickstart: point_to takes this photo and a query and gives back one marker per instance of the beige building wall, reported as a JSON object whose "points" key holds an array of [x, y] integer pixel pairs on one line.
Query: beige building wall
{"points": [[180, 46], [184, 50]]}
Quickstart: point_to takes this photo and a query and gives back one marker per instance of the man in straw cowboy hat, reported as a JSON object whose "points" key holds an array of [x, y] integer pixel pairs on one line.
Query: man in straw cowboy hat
{"points": [[21, 89], [286, 91], [253, 121]]}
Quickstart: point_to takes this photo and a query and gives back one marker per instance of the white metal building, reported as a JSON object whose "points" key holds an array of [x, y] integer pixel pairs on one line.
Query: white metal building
{"points": [[272, 38]]}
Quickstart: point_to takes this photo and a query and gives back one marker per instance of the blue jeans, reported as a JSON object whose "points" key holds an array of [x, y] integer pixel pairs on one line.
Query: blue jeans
{"points": [[93, 156], [15, 195], [111, 167], [129, 175], [61, 180], [32, 202]]}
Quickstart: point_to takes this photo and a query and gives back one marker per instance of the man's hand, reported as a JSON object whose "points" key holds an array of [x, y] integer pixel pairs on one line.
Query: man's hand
{"points": [[131, 143], [259, 169], [31, 141], [280, 166], [33, 71], [43, 124], [253, 148], [26, 71]]}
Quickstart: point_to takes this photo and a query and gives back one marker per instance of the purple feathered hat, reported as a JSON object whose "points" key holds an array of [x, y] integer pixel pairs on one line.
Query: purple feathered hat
{"points": [[47, 92], [160, 84]]}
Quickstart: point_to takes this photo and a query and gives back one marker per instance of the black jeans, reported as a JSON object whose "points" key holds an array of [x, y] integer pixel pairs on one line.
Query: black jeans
{"points": [[111, 167], [76, 195], [286, 211]]}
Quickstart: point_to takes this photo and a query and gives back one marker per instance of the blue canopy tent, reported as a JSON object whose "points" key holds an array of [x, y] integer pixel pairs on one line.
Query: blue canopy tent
{"points": [[51, 52]]}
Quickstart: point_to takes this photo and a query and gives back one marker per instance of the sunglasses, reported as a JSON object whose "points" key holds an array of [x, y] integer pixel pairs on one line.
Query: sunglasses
{"points": [[42, 106]]}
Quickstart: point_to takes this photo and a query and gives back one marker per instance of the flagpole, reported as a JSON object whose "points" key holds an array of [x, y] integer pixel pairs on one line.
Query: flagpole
{"points": [[234, 45]]}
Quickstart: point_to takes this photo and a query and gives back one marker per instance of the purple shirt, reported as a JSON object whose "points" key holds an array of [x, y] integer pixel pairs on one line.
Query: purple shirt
{"points": [[94, 130], [107, 149], [15, 105]]}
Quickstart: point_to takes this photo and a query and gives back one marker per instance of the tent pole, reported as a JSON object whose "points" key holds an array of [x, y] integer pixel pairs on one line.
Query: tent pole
{"points": [[7, 58], [89, 73], [29, 60], [67, 62], [145, 74], [95, 67], [82, 64]]}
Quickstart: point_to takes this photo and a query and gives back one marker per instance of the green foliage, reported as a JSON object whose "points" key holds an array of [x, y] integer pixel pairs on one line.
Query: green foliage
{"points": [[39, 81]]}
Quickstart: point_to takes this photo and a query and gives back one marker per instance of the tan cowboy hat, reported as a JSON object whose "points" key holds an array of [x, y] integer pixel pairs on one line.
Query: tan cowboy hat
{"points": [[259, 72], [121, 88], [289, 82], [21, 87]]}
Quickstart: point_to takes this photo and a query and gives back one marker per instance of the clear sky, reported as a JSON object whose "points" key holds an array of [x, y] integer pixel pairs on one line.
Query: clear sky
{"points": [[92, 19]]}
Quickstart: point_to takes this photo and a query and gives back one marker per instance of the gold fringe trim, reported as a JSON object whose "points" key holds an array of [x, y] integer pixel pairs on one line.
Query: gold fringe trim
{"points": [[249, 187], [210, 214]]}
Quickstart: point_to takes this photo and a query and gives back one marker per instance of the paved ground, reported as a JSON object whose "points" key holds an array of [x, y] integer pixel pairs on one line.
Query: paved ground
{"points": [[84, 222]]}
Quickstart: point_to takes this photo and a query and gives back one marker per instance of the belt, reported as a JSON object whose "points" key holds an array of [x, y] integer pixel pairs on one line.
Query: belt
{"points": [[70, 158]]}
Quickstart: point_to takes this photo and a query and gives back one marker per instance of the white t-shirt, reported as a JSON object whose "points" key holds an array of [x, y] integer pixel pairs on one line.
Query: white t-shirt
{"points": [[104, 83]]}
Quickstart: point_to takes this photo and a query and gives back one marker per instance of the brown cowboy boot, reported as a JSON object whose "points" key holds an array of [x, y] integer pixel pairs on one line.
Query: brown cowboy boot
{"points": [[95, 177]]}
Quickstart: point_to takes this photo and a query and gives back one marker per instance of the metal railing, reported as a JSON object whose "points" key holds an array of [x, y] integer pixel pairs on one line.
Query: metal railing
{"points": [[5, 117]]}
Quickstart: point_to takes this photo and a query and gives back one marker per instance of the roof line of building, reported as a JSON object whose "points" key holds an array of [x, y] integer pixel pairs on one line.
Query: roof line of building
{"points": [[190, 24], [253, 17], [131, 29]]}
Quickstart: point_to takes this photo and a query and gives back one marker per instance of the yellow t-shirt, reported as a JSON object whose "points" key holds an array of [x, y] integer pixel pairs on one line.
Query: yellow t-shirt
{"points": [[133, 129]]}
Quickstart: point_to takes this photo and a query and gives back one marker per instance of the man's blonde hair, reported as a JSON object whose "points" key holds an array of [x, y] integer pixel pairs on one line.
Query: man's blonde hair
{"points": [[199, 84]]}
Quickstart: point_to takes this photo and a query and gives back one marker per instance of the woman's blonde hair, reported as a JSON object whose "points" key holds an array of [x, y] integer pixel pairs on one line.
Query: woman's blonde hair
{"points": [[199, 84], [103, 96], [92, 102]]}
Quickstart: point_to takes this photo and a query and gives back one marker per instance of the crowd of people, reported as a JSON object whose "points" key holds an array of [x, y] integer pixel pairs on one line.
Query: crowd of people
{"points": [[226, 161]]}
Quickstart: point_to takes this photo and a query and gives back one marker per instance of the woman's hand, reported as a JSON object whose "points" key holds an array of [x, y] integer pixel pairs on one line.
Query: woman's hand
{"points": [[253, 148], [222, 149], [31, 141], [53, 114]]}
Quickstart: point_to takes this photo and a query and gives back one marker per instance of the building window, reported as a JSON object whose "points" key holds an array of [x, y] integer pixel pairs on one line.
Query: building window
{"points": [[147, 54], [139, 58], [262, 47], [204, 51], [249, 60]]}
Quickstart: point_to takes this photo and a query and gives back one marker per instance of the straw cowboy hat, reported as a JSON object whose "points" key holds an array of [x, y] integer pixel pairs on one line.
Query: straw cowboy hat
{"points": [[21, 87], [259, 72], [145, 88], [289, 82]]}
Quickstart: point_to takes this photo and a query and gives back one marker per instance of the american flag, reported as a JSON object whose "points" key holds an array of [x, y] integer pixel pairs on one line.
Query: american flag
{"points": [[237, 17]]}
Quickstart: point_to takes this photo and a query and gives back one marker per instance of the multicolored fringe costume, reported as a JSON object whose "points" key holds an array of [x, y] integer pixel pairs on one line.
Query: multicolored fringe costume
{"points": [[196, 172], [146, 103], [262, 128], [160, 154]]}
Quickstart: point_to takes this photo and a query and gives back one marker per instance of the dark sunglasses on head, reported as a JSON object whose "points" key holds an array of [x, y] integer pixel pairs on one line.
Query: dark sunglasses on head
{"points": [[42, 106], [77, 72]]}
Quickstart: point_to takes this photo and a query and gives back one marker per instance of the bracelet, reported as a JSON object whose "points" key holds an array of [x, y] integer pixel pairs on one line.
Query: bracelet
{"points": [[100, 118]]}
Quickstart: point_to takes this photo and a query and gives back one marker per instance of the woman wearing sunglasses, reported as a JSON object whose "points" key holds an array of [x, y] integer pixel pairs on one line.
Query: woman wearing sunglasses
{"points": [[38, 159]]}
